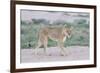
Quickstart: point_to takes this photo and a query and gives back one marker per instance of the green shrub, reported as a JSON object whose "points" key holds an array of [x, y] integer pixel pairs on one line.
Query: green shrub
{"points": [[29, 35]]}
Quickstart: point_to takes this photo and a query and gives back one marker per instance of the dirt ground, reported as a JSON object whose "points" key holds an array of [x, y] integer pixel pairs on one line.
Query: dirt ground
{"points": [[54, 54]]}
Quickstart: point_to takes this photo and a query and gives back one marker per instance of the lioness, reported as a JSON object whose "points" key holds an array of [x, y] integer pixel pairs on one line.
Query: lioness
{"points": [[58, 34]]}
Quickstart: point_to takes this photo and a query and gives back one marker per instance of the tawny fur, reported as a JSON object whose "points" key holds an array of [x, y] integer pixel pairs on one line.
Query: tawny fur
{"points": [[58, 34]]}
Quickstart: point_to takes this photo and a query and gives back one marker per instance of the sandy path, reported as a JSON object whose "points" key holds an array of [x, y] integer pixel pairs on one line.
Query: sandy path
{"points": [[73, 53]]}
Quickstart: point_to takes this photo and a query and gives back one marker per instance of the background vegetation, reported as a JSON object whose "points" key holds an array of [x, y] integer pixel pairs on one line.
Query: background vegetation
{"points": [[29, 32]]}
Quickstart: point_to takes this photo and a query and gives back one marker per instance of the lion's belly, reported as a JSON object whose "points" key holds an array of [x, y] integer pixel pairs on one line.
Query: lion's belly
{"points": [[57, 38], [53, 38]]}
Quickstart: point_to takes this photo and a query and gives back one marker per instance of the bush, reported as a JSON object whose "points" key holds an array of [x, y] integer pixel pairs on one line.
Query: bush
{"points": [[29, 35]]}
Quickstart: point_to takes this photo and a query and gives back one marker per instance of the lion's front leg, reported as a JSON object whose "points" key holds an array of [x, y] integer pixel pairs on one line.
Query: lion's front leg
{"points": [[61, 45], [45, 42]]}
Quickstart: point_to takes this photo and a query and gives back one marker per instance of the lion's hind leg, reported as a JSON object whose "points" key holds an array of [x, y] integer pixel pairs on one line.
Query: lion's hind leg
{"points": [[37, 47]]}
